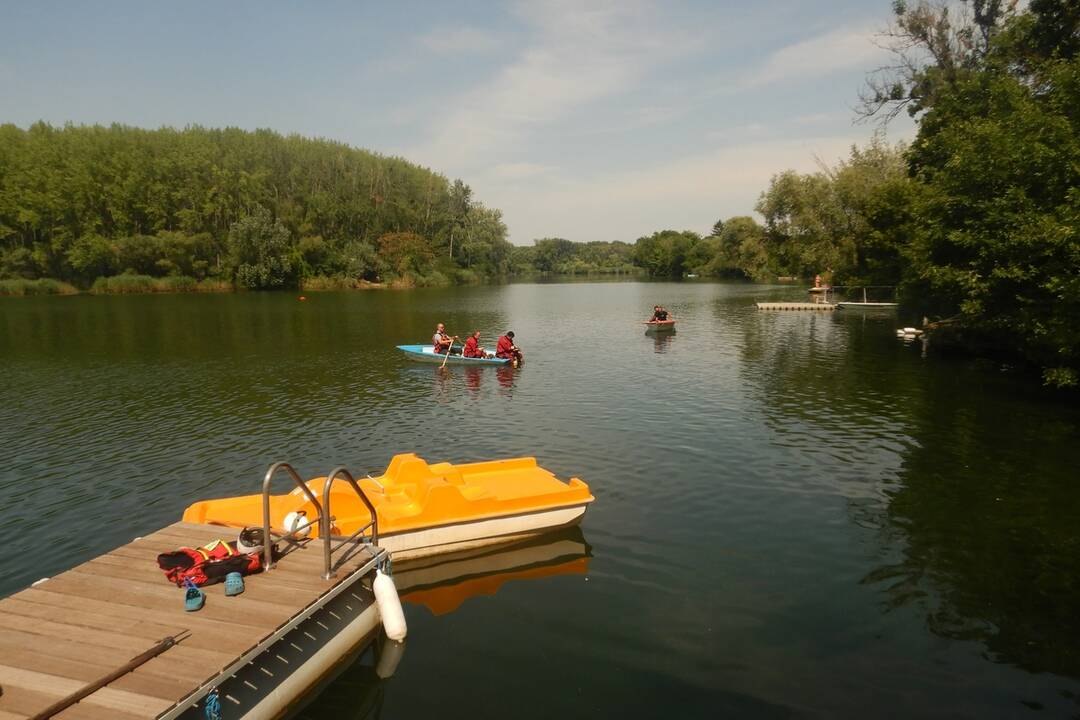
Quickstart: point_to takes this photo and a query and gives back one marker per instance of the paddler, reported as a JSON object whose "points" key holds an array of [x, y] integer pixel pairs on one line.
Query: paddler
{"points": [[442, 342], [507, 350], [659, 313], [472, 347]]}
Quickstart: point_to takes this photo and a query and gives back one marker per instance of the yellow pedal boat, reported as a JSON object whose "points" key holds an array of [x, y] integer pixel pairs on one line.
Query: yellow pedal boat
{"points": [[422, 509]]}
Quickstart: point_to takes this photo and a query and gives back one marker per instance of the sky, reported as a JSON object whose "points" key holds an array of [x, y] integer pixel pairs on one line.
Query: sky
{"points": [[604, 120]]}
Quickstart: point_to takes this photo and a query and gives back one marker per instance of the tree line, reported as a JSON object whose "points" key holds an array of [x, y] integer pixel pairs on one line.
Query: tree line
{"points": [[977, 221], [254, 209]]}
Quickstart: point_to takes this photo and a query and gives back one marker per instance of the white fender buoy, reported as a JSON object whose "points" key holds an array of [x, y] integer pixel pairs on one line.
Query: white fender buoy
{"points": [[386, 597], [389, 657]]}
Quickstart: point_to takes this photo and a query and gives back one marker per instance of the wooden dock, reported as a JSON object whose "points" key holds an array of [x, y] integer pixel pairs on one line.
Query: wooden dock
{"points": [[795, 306], [78, 626]]}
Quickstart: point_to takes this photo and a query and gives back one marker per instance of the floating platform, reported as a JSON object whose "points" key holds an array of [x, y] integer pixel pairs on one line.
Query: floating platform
{"points": [[262, 649], [795, 306], [866, 305]]}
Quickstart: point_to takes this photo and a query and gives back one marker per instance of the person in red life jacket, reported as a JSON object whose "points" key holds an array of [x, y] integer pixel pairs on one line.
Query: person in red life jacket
{"points": [[472, 347], [507, 350], [442, 342]]}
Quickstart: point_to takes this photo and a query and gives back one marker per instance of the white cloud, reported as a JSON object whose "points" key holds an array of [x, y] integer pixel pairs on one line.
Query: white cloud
{"points": [[688, 193], [460, 39], [577, 55], [837, 50]]}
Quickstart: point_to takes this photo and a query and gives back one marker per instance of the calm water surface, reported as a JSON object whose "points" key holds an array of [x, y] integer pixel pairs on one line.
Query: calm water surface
{"points": [[796, 514]]}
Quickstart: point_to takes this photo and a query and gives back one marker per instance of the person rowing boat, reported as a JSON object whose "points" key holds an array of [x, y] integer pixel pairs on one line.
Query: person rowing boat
{"points": [[442, 342]]}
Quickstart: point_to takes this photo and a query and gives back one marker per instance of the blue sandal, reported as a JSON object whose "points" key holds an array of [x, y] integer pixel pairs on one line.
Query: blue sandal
{"points": [[194, 598], [234, 583]]}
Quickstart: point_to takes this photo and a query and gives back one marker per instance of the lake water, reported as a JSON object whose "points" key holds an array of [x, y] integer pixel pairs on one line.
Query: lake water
{"points": [[797, 515]]}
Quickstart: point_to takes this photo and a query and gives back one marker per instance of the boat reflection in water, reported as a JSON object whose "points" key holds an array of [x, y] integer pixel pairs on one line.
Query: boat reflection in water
{"points": [[441, 583], [661, 341]]}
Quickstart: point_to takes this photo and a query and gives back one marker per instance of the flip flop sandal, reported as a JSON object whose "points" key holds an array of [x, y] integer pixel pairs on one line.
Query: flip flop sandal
{"points": [[234, 583], [194, 598]]}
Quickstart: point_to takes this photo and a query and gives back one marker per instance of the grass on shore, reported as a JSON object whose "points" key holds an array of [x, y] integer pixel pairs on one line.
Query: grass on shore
{"points": [[20, 287], [124, 284], [322, 282]]}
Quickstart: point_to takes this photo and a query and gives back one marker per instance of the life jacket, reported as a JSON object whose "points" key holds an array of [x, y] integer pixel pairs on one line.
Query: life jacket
{"points": [[208, 564]]}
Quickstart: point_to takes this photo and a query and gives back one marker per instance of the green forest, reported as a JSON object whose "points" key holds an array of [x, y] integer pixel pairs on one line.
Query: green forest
{"points": [[125, 208], [976, 220]]}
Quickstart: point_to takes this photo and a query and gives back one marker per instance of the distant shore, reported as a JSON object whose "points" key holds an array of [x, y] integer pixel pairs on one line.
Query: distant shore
{"points": [[146, 285]]}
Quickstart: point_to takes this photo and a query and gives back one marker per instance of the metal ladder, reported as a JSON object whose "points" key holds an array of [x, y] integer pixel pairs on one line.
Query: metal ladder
{"points": [[325, 519]]}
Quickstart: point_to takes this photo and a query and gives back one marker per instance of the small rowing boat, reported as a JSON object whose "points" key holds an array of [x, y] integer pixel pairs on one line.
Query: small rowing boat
{"points": [[657, 326], [420, 509], [426, 353]]}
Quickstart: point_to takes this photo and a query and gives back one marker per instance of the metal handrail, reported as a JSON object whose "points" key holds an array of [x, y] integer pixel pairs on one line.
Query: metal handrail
{"points": [[324, 520], [328, 547]]}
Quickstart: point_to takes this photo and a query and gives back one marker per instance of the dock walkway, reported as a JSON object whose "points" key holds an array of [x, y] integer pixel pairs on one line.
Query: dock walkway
{"points": [[80, 625], [796, 306]]}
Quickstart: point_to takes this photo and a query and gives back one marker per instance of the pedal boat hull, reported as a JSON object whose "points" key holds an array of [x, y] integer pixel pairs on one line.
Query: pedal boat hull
{"points": [[427, 509]]}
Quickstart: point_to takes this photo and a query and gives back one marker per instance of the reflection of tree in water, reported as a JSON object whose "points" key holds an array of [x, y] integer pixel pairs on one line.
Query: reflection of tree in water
{"points": [[982, 505], [833, 392], [987, 510]]}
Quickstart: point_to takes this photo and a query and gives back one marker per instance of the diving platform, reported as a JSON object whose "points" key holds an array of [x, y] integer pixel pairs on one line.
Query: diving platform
{"points": [[796, 306], [254, 653]]}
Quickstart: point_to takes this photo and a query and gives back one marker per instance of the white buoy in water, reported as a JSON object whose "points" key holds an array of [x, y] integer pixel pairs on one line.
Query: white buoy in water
{"points": [[389, 657], [386, 597]]}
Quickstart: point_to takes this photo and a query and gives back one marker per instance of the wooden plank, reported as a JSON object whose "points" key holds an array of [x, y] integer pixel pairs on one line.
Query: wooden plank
{"points": [[165, 597], [23, 703], [170, 688], [115, 640], [13, 642], [271, 591], [59, 687], [147, 625], [114, 612]]}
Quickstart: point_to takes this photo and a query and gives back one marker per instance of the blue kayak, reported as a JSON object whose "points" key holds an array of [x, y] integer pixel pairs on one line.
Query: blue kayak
{"points": [[426, 353]]}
